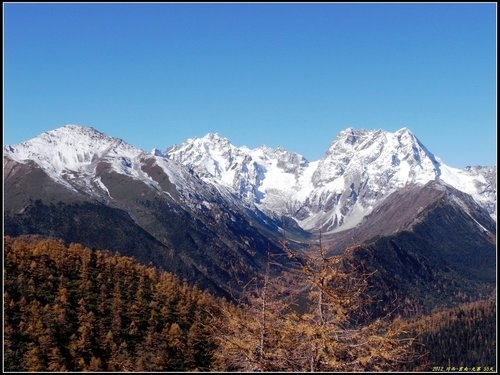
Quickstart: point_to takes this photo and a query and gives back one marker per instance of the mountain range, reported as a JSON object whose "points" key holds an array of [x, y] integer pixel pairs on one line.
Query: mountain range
{"points": [[210, 211], [359, 169]]}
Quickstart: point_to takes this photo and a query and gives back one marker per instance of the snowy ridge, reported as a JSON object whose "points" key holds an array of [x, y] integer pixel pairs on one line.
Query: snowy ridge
{"points": [[248, 172], [479, 182], [359, 169], [73, 148], [75, 156], [70, 155]]}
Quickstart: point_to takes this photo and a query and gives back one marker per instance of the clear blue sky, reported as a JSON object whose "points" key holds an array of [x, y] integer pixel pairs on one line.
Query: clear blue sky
{"points": [[277, 74]]}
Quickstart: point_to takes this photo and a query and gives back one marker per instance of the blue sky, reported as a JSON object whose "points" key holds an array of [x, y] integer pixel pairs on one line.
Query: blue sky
{"points": [[292, 75]]}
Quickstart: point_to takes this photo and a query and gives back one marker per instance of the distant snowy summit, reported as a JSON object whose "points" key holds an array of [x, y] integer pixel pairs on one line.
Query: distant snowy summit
{"points": [[359, 169], [70, 148]]}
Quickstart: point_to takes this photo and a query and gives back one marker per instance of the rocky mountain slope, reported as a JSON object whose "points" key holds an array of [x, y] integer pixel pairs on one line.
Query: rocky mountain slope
{"points": [[359, 169], [210, 211], [425, 246], [84, 186]]}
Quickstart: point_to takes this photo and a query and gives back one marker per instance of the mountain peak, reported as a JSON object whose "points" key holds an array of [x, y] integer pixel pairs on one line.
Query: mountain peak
{"points": [[69, 133], [402, 140], [208, 143], [72, 131], [352, 136], [406, 133], [69, 148], [404, 130], [214, 137], [79, 128]]}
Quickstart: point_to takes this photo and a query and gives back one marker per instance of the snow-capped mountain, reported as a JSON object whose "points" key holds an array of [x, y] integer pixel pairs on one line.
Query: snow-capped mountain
{"points": [[76, 157], [70, 154], [81, 185], [359, 169], [210, 211], [252, 174]]}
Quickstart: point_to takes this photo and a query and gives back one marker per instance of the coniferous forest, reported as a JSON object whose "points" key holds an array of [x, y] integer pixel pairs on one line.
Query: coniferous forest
{"points": [[71, 308]]}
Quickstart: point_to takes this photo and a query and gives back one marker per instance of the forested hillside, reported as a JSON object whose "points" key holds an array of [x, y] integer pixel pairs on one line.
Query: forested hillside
{"points": [[76, 309], [71, 308], [459, 337]]}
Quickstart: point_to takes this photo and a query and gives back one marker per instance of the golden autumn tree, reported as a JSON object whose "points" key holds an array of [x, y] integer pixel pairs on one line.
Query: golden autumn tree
{"points": [[312, 317], [251, 334]]}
